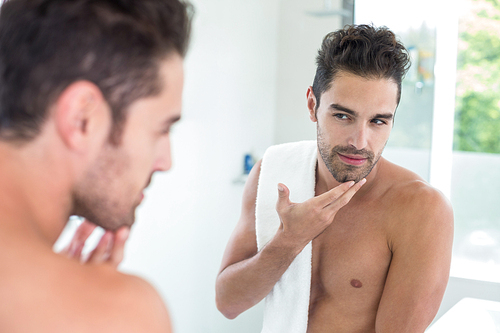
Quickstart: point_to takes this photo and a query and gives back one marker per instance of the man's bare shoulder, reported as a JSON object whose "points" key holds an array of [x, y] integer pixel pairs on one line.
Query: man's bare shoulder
{"points": [[134, 302], [400, 184], [408, 188], [415, 204], [50, 293]]}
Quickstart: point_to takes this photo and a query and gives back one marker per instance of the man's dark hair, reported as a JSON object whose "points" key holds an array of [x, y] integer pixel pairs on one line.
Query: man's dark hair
{"points": [[45, 45], [363, 50]]}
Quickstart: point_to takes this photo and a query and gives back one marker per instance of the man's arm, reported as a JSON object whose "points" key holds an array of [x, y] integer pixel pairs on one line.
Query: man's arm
{"points": [[246, 275], [421, 241]]}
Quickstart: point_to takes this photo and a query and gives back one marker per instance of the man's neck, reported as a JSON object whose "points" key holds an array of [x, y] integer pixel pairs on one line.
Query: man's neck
{"points": [[32, 195]]}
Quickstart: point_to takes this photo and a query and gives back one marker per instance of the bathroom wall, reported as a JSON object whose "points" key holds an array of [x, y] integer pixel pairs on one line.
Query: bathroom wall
{"points": [[301, 31]]}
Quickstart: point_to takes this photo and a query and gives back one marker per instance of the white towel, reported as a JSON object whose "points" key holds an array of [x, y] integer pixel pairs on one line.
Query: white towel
{"points": [[293, 164]]}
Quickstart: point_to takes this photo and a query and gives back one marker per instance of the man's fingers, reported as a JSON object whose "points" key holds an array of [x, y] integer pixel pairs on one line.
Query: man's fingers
{"points": [[109, 249], [346, 196], [72, 250], [327, 198], [121, 237], [283, 197], [82, 233], [102, 251]]}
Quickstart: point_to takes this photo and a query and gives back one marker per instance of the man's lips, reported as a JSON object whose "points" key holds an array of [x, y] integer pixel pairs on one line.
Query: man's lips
{"points": [[352, 159], [141, 196]]}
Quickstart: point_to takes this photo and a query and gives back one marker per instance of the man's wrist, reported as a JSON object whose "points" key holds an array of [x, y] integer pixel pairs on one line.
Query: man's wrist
{"points": [[287, 244]]}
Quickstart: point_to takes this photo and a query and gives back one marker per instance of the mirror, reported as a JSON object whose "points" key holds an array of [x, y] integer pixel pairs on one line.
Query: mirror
{"points": [[247, 71]]}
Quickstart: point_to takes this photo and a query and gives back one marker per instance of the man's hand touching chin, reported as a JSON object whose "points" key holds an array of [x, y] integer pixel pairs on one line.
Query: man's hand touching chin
{"points": [[109, 250]]}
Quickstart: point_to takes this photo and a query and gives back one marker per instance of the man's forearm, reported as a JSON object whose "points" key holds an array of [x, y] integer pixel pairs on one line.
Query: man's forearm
{"points": [[244, 284]]}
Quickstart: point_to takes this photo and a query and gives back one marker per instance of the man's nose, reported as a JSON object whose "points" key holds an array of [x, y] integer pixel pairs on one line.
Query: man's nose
{"points": [[164, 158], [358, 138]]}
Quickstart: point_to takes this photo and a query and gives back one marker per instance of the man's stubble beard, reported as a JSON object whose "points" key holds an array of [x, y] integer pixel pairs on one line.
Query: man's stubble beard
{"points": [[96, 197], [340, 171]]}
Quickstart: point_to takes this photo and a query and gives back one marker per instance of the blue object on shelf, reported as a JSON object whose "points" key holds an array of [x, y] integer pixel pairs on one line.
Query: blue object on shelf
{"points": [[248, 164]]}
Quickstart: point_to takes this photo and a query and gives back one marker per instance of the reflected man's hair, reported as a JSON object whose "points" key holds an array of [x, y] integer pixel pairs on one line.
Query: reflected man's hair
{"points": [[45, 45], [363, 50]]}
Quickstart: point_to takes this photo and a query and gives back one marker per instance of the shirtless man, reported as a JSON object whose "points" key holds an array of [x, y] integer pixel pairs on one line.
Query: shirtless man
{"points": [[88, 93], [381, 250]]}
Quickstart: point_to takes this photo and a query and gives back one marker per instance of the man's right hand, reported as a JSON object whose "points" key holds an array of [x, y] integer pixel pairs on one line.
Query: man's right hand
{"points": [[109, 250], [302, 222]]}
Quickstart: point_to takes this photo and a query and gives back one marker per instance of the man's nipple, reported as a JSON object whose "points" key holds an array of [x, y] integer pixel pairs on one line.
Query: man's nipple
{"points": [[356, 283]]}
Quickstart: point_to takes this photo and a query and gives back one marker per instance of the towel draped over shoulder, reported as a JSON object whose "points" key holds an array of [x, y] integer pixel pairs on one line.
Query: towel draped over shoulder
{"points": [[293, 164]]}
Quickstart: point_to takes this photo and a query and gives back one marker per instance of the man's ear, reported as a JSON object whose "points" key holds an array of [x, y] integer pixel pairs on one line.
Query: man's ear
{"points": [[81, 115], [311, 104]]}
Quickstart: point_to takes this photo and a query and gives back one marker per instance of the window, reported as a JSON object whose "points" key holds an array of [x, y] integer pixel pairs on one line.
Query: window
{"points": [[447, 127], [475, 185]]}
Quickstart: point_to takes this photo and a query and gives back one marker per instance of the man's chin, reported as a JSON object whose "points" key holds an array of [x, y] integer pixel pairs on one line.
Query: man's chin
{"points": [[342, 178], [113, 224], [348, 179]]}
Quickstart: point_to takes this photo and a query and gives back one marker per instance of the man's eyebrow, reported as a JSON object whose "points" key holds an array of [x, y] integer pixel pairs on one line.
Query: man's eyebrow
{"points": [[343, 109], [387, 116]]}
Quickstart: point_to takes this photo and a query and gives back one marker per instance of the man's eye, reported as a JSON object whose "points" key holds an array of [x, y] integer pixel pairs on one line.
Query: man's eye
{"points": [[165, 131], [378, 122], [341, 116]]}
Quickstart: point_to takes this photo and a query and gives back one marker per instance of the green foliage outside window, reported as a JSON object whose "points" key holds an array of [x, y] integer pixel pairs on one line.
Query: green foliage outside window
{"points": [[477, 116]]}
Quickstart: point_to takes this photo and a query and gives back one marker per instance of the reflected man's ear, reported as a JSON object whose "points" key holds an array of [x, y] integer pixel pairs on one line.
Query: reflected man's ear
{"points": [[311, 104]]}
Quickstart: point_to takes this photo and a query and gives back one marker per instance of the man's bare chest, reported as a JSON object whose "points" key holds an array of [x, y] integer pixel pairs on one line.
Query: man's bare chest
{"points": [[351, 259]]}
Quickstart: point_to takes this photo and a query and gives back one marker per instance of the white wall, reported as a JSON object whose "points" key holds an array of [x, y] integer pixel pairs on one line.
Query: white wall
{"points": [[300, 37], [188, 214]]}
